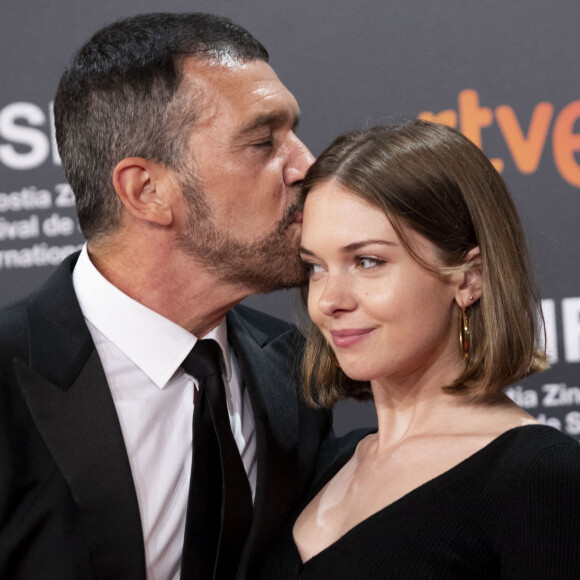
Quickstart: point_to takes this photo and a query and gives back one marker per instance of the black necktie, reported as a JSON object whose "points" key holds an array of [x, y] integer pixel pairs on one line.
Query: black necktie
{"points": [[219, 509]]}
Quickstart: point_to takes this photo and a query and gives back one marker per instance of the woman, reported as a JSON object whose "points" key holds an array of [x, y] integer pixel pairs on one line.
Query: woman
{"points": [[422, 299]]}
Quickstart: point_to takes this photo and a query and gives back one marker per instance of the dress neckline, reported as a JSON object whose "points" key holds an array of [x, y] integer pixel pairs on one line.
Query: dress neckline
{"points": [[338, 465]]}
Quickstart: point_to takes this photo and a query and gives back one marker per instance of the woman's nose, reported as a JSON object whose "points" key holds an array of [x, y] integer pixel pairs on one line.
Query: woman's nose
{"points": [[336, 296]]}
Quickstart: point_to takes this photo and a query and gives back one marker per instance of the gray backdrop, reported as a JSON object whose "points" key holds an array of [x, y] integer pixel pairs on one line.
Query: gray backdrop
{"points": [[504, 73]]}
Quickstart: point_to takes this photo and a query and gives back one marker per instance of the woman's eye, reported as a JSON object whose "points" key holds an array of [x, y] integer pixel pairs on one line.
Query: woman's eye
{"points": [[366, 262], [264, 144], [312, 268]]}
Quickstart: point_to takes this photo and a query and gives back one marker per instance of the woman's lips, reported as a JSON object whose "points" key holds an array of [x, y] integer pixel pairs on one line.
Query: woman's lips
{"points": [[349, 337]]}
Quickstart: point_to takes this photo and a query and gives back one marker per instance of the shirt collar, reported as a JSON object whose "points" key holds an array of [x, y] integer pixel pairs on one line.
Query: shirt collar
{"points": [[154, 343]]}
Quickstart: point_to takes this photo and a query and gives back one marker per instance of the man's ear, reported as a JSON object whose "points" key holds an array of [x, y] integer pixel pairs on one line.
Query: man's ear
{"points": [[141, 186], [469, 290]]}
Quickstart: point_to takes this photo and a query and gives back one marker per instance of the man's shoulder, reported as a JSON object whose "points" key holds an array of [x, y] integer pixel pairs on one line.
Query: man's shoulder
{"points": [[53, 297], [13, 324], [257, 336], [265, 323]]}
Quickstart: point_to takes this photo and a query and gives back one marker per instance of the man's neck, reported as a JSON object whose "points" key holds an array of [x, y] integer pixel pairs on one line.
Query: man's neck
{"points": [[178, 288]]}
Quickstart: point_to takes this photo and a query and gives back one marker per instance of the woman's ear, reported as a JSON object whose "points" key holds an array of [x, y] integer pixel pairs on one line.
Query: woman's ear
{"points": [[469, 290], [140, 186]]}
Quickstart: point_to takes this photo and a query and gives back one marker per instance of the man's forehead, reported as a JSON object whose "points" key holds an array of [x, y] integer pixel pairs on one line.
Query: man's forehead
{"points": [[228, 74], [252, 86]]}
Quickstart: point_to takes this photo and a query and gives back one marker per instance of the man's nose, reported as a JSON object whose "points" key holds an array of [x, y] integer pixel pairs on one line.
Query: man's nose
{"points": [[299, 161]]}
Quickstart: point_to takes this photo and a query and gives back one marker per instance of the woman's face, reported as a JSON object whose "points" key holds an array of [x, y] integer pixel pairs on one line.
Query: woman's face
{"points": [[383, 313]]}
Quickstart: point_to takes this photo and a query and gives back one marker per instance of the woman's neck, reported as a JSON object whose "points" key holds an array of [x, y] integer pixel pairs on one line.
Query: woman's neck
{"points": [[415, 403]]}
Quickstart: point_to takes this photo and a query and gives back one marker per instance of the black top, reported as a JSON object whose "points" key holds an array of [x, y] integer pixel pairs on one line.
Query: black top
{"points": [[510, 510]]}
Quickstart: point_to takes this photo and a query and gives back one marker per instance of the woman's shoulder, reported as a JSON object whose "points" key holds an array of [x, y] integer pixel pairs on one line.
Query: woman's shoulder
{"points": [[335, 452], [537, 438], [537, 451], [540, 480]]}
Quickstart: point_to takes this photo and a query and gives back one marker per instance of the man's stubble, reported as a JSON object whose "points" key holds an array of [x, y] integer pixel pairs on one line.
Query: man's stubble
{"points": [[266, 264]]}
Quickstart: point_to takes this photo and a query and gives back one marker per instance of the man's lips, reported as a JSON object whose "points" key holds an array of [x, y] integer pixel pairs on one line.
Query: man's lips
{"points": [[349, 336], [298, 218]]}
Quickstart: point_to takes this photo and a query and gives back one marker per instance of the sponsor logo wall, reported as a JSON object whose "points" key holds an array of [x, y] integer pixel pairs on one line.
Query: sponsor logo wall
{"points": [[504, 74]]}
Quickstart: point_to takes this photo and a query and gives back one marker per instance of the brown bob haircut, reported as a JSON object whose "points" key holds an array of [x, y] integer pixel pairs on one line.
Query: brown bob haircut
{"points": [[433, 180]]}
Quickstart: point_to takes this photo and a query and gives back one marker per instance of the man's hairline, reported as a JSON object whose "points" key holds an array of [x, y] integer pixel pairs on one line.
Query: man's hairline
{"points": [[193, 82]]}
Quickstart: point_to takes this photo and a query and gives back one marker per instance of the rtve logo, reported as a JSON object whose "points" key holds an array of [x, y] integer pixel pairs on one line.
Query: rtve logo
{"points": [[526, 148]]}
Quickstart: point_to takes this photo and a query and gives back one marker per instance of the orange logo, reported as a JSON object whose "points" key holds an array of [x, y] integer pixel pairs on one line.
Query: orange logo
{"points": [[526, 148]]}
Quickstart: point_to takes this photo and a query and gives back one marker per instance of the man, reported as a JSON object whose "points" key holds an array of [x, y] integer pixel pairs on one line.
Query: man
{"points": [[179, 142]]}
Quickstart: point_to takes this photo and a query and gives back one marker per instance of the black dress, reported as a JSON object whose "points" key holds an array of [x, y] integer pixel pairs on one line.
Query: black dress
{"points": [[511, 510]]}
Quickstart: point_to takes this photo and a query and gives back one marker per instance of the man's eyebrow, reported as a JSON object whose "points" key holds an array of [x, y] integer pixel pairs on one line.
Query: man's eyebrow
{"points": [[267, 119], [352, 247]]}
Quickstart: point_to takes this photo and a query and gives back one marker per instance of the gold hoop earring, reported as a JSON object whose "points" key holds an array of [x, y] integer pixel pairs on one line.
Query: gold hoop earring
{"points": [[464, 342], [332, 356]]}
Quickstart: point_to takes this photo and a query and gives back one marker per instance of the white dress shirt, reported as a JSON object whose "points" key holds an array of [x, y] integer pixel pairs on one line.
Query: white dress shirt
{"points": [[141, 352]]}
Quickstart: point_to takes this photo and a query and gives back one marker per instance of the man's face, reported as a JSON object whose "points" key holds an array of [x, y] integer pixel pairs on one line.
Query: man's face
{"points": [[246, 168]]}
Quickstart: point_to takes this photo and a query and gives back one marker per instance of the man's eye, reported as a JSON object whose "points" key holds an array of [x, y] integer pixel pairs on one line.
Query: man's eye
{"points": [[264, 144]]}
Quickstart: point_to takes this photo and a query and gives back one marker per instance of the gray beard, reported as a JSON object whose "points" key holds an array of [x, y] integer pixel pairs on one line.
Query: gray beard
{"points": [[264, 265]]}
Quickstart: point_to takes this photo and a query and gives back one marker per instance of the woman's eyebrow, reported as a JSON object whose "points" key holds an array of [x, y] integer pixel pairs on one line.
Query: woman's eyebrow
{"points": [[358, 245], [352, 247]]}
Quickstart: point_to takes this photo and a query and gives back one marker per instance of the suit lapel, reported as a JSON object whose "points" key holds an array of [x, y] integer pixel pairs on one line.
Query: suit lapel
{"points": [[67, 393], [265, 370]]}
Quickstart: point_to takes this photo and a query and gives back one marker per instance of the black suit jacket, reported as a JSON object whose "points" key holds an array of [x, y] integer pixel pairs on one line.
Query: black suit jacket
{"points": [[68, 507]]}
